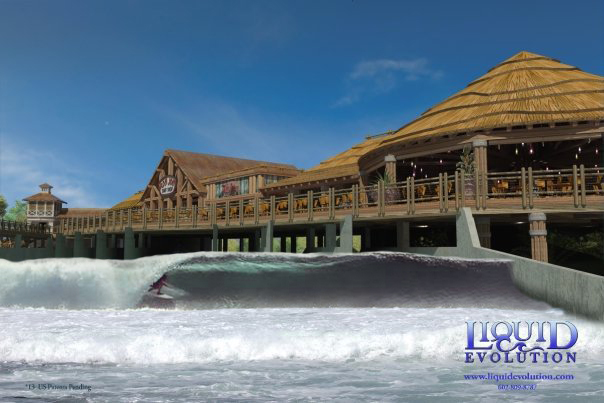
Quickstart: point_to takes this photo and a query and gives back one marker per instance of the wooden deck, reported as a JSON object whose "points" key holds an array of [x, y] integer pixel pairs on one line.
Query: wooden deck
{"points": [[576, 190]]}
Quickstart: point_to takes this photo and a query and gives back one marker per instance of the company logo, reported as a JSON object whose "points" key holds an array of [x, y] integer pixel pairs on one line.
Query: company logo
{"points": [[508, 342], [167, 185]]}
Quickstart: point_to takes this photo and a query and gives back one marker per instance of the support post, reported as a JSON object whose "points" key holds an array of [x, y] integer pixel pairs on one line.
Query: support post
{"points": [[61, 247], [283, 240], [402, 236], [483, 227], [79, 250], [345, 245], [292, 245], [130, 251], [480, 158], [390, 167], [538, 234], [330, 237], [101, 245], [215, 238], [310, 239], [266, 243]]}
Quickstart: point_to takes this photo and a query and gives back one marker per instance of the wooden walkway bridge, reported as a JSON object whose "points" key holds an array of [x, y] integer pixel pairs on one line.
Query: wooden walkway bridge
{"points": [[576, 190]]}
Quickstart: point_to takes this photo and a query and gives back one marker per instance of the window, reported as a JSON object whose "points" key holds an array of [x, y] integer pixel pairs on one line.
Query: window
{"points": [[232, 187], [268, 179]]}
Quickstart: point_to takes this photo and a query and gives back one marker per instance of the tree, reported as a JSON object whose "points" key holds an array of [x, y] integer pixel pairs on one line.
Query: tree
{"points": [[3, 206], [18, 212]]}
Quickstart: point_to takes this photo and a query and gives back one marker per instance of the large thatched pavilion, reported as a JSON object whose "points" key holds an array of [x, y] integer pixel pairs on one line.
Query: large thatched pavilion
{"points": [[528, 111]]}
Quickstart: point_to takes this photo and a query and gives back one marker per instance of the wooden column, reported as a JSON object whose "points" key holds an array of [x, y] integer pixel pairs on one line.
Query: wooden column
{"points": [[363, 181], [481, 167], [390, 168], [538, 235]]}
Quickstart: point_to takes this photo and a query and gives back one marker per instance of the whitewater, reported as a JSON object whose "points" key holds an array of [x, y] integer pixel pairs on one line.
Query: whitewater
{"points": [[270, 327]]}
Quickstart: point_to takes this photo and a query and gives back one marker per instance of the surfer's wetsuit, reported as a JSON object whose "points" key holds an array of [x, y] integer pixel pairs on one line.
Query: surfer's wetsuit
{"points": [[159, 284]]}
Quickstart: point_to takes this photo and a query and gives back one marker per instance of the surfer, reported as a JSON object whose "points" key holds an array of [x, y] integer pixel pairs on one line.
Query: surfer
{"points": [[159, 284]]}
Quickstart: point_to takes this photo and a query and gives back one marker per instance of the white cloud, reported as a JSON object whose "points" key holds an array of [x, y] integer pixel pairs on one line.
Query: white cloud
{"points": [[23, 168], [374, 77]]}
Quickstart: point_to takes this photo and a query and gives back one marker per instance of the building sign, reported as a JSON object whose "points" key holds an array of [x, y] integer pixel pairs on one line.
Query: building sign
{"points": [[167, 186]]}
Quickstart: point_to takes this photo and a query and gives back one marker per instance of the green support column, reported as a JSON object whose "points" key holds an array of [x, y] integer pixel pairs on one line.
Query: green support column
{"points": [[241, 245], [345, 235], [366, 239], [402, 235], [215, 239], [130, 251], [18, 241], [61, 246], [255, 241], [330, 237], [101, 245], [79, 249], [266, 243], [225, 244], [310, 240]]}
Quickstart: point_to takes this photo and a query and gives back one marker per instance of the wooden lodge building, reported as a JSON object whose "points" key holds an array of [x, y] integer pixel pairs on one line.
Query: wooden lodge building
{"points": [[520, 144]]}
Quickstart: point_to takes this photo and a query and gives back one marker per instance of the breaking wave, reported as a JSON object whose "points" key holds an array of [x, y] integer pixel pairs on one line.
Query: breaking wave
{"points": [[243, 280]]}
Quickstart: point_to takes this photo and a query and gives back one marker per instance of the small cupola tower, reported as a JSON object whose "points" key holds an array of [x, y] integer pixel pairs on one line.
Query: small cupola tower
{"points": [[43, 207]]}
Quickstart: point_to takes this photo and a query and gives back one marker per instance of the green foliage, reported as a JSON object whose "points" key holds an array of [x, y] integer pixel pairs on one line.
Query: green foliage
{"points": [[590, 243], [3, 206], [466, 162], [17, 213], [384, 178]]}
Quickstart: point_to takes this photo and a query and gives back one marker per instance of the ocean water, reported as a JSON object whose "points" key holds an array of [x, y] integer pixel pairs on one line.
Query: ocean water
{"points": [[367, 327]]}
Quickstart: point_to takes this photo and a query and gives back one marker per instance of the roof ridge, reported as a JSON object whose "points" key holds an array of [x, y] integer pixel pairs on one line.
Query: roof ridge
{"points": [[488, 77], [512, 61], [170, 150]]}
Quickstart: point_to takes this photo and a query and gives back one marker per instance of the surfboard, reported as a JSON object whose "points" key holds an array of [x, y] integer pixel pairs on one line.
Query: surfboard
{"points": [[159, 296]]}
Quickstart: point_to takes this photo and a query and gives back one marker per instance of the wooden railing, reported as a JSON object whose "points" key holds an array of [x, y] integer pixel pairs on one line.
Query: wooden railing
{"points": [[22, 227], [574, 188]]}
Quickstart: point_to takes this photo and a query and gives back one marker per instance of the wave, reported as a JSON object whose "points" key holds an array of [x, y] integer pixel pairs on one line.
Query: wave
{"points": [[215, 280]]}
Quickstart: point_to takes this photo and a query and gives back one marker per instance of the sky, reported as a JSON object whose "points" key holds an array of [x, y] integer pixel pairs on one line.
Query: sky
{"points": [[93, 92]]}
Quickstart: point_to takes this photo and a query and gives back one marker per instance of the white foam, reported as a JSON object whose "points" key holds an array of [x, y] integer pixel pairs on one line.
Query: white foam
{"points": [[144, 337], [80, 282]]}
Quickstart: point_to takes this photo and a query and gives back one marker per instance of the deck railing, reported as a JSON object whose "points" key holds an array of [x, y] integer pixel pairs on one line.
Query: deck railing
{"points": [[573, 188], [21, 227]]}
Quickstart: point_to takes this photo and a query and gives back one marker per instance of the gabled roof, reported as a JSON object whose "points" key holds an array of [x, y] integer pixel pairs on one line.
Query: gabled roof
{"points": [[44, 197], [80, 212], [197, 166]]}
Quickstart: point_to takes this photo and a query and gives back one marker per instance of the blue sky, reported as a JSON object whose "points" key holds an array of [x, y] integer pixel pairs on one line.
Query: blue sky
{"points": [[92, 92]]}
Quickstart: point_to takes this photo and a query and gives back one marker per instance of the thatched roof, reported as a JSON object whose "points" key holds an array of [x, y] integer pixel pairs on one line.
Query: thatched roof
{"points": [[524, 89], [341, 165], [132, 201]]}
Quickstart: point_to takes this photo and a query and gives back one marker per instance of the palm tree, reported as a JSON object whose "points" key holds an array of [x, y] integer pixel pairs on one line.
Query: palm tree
{"points": [[391, 193]]}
